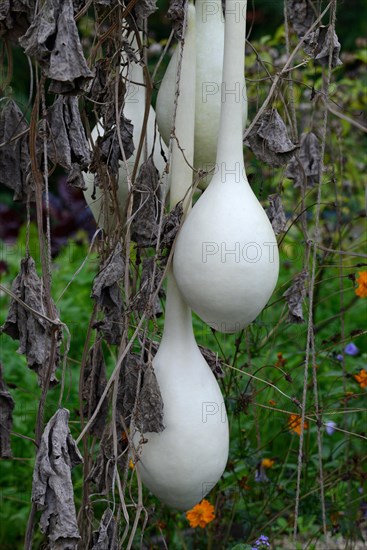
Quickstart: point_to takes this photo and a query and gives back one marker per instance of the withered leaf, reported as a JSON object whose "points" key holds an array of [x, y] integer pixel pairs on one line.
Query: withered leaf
{"points": [[14, 153], [128, 385], [294, 297], [269, 139], [75, 177], [108, 149], [106, 290], [213, 361], [176, 13], [318, 45], [94, 383], [304, 167], [53, 40], [105, 538], [142, 10], [6, 417], [111, 326], [276, 213], [146, 205], [15, 18], [52, 488], [149, 411], [301, 15], [148, 287], [171, 225], [67, 144], [36, 336]]}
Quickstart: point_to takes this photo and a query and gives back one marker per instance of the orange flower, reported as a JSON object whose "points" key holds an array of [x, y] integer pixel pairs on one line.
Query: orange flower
{"points": [[131, 464], [361, 289], [201, 514], [295, 422], [281, 361], [267, 463], [361, 377]]}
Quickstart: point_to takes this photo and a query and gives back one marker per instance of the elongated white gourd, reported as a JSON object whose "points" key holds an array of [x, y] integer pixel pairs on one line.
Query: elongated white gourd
{"points": [[182, 463], [134, 110], [226, 257], [209, 67]]}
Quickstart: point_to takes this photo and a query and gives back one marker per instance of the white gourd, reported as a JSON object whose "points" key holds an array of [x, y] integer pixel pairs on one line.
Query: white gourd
{"points": [[209, 67], [226, 257], [134, 110], [182, 463]]}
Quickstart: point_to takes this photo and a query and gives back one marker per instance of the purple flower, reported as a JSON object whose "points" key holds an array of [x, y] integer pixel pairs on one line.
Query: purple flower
{"points": [[330, 427], [351, 349], [339, 357], [262, 543]]}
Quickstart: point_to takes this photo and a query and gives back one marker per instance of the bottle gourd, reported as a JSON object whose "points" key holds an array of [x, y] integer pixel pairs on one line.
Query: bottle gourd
{"points": [[226, 256], [182, 463]]}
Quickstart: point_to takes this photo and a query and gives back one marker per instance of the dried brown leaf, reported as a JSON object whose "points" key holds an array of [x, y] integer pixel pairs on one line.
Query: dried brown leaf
{"points": [[6, 417], [128, 385], [14, 154], [110, 326], [142, 10], [294, 297], [304, 167], [107, 149], [34, 333], [52, 489], [146, 205], [94, 383], [276, 213], [149, 412], [269, 139], [170, 227], [176, 13], [106, 290], [318, 45], [301, 15], [53, 40], [148, 287], [67, 143], [105, 538], [15, 18]]}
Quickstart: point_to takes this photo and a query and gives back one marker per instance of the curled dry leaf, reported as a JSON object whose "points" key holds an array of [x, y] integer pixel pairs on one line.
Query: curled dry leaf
{"points": [[171, 225], [128, 385], [67, 144], [301, 15], [53, 40], [52, 488], [107, 293], [276, 213], [176, 13], [105, 538], [142, 10], [148, 287], [319, 43], [304, 167], [37, 337], [6, 417], [94, 383], [15, 18], [14, 153], [269, 139], [146, 205], [294, 297], [107, 149], [213, 361], [149, 411]]}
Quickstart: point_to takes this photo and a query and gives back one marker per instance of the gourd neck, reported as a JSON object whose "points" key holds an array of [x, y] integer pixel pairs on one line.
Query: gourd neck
{"points": [[230, 149], [178, 329]]}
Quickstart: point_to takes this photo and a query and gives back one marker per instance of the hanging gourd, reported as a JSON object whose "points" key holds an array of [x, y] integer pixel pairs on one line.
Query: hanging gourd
{"points": [[134, 110], [209, 67], [182, 463], [226, 256]]}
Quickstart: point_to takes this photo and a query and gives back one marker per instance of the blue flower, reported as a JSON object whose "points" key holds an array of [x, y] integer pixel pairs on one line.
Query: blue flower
{"points": [[262, 543], [351, 349], [339, 357], [330, 427]]}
